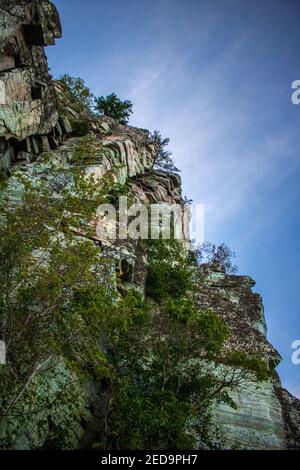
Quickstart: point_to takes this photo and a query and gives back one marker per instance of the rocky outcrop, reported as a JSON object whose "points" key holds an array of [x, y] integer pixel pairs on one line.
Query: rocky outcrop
{"points": [[257, 422], [290, 409], [232, 298], [158, 186], [36, 118], [28, 103]]}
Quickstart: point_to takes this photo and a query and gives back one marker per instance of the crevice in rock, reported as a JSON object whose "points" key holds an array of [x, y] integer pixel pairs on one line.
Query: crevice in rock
{"points": [[18, 60], [34, 35], [126, 271], [36, 92], [18, 146]]}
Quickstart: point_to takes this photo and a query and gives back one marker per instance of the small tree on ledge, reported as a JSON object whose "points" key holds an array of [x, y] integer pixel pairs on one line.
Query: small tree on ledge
{"points": [[79, 90], [163, 158], [113, 107]]}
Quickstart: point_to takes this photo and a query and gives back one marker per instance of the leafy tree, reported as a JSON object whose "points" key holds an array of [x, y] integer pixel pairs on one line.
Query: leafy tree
{"points": [[169, 363], [48, 272], [169, 270], [163, 158], [161, 382], [216, 255], [252, 362], [113, 107], [78, 89]]}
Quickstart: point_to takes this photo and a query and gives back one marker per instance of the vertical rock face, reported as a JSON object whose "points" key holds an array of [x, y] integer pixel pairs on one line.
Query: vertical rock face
{"points": [[231, 297], [290, 408], [258, 422], [28, 104], [267, 417]]}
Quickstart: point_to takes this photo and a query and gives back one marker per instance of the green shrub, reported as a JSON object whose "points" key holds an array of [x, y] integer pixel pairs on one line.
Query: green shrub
{"points": [[161, 383], [210, 327], [80, 128], [252, 362], [205, 324], [169, 270], [182, 309], [113, 107], [81, 94], [116, 191], [163, 158]]}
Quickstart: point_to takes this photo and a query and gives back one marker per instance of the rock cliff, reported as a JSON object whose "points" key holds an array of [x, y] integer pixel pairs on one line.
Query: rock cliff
{"points": [[36, 119]]}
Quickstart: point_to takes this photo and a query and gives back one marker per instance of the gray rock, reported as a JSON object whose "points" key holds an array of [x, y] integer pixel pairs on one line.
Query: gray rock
{"points": [[29, 105]]}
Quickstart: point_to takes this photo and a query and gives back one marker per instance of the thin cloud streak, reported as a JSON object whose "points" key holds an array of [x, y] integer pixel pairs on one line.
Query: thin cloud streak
{"points": [[207, 140]]}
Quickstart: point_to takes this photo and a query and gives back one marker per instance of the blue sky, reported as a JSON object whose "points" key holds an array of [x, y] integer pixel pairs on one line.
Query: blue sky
{"points": [[215, 76]]}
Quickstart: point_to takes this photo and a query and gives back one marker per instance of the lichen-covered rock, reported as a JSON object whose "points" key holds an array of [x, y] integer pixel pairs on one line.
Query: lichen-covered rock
{"points": [[231, 297], [28, 102], [24, 431], [256, 423], [267, 417], [290, 408]]}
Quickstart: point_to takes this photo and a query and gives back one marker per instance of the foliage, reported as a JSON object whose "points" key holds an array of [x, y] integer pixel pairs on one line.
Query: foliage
{"points": [[116, 191], [66, 328], [113, 107], [171, 370], [211, 330], [183, 309], [86, 152], [80, 128], [252, 362], [52, 290], [162, 388], [160, 384], [78, 90], [169, 270], [167, 378], [163, 158], [187, 201], [219, 256]]}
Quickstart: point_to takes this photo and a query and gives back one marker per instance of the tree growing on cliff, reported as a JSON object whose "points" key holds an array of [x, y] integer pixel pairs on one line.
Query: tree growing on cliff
{"points": [[78, 89], [163, 158], [216, 256], [169, 367], [47, 270], [113, 107]]}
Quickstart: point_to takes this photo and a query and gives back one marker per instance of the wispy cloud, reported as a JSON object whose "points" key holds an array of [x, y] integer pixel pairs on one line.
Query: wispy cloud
{"points": [[215, 132]]}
